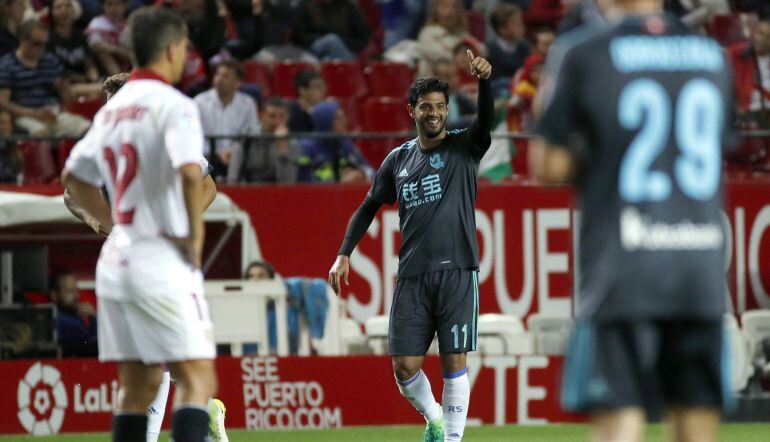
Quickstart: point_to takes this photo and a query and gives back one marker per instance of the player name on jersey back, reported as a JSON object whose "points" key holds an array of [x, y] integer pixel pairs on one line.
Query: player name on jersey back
{"points": [[134, 148]]}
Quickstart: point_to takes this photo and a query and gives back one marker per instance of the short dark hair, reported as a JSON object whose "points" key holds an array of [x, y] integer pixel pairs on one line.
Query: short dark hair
{"points": [[27, 26], [113, 84], [277, 102], [152, 30], [233, 65], [426, 85], [501, 14], [54, 281], [304, 77], [542, 30], [265, 265]]}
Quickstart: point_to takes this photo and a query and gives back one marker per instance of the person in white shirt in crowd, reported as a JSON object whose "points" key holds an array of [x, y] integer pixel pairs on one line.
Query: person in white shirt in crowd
{"points": [[227, 111]]}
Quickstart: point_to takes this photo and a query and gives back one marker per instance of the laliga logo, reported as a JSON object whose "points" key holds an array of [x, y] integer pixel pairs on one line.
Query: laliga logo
{"points": [[42, 400]]}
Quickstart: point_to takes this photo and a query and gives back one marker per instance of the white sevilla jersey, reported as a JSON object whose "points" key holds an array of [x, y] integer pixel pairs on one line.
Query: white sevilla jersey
{"points": [[135, 145]]}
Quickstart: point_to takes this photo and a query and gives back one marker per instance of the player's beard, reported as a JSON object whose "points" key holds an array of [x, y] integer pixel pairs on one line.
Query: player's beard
{"points": [[431, 131]]}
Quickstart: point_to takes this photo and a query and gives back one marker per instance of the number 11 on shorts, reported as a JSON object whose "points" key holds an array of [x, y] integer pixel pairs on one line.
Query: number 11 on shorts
{"points": [[456, 333]]}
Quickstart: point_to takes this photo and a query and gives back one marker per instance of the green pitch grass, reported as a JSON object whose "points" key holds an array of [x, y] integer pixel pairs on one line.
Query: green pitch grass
{"points": [[551, 433]]}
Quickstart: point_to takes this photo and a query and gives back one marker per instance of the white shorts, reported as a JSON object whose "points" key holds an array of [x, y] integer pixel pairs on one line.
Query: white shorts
{"points": [[151, 307]]}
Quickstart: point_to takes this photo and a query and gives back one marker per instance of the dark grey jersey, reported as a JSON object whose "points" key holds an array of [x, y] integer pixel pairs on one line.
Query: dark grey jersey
{"points": [[436, 193], [646, 109]]}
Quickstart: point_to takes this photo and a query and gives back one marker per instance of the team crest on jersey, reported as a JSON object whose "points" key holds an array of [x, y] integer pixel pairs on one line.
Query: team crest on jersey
{"points": [[436, 162]]}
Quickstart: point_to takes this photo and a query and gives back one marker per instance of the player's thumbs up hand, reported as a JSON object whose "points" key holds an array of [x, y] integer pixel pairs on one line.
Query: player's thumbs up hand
{"points": [[480, 67]]}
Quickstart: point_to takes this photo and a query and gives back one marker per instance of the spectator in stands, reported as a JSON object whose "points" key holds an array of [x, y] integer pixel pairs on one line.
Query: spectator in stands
{"points": [[11, 17], [751, 65], [544, 38], [507, 48], [467, 82], [546, 12], [106, 39], [523, 93], [462, 109], [259, 271], [75, 320], [269, 160], [311, 90], [206, 25], [331, 29], [10, 158], [69, 43], [331, 160], [263, 31], [445, 28], [30, 84], [697, 14], [227, 111], [401, 20]]}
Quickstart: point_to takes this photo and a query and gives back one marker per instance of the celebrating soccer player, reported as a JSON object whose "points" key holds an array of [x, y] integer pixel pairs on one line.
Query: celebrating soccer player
{"points": [[145, 145], [637, 117], [434, 179]]}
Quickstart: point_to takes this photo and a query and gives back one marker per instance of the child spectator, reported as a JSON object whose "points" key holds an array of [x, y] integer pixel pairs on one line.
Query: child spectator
{"points": [[523, 93], [105, 37], [507, 49], [311, 90], [331, 160], [467, 82], [544, 38]]}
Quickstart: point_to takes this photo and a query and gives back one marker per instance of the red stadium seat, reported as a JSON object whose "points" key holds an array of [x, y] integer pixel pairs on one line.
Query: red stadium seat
{"points": [[255, 73], [62, 152], [734, 28], [283, 77], [344, 78], [382, 114], [388, 79], [85, 107], [39, 167]]}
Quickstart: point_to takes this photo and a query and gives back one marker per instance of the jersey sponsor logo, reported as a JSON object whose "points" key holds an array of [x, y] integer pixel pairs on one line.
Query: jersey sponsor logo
{"points": [[403, 173], [431, 191], [42, 400], [641, 232], [436, 162]]}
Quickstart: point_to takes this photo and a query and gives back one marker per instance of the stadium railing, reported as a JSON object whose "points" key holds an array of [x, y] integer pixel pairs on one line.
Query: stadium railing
{"points": [[753, 153]]}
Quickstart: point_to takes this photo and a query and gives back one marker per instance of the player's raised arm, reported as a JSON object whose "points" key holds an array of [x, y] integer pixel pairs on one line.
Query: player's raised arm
{"points": [[481, 126]]}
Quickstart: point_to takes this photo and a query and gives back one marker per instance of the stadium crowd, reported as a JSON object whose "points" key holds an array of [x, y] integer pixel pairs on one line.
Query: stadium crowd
{"points": [[265, 72]]}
